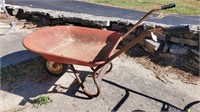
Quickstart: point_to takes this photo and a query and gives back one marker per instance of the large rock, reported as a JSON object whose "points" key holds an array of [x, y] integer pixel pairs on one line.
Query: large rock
{"points": [[128, 39], [161, 37], [194, 64], [165, 48], [38, 13], [195, 51], [184, 41], [118, 27], [195, 55], [72, 20], [150, 45], [179, 50], [14, 12], [36, 17], [45, 21], [172, 58], [193, 34], [121, 25], [21, 14], [95, 23]]}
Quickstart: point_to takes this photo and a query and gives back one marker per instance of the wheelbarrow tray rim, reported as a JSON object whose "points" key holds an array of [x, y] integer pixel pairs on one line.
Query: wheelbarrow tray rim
{"points": [[28, 40]]}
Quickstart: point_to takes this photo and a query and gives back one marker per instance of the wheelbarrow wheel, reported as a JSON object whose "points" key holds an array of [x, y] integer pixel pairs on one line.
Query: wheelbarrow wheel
{"points": [[55, 69]]}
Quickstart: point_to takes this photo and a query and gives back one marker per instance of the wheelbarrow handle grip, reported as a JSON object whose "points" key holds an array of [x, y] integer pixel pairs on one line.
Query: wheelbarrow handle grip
{"points": [[147, 15], [168, 6]]}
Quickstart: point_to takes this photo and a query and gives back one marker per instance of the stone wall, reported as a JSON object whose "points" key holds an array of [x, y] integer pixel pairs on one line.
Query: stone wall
{"points": [[177, 41]]}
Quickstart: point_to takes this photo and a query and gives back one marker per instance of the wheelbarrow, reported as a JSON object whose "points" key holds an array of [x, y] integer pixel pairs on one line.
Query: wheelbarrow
{"points": [[66, 46]]}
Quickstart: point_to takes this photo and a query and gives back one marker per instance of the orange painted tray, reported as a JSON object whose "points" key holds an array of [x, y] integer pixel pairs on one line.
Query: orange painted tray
{"points": [[73, 45]]}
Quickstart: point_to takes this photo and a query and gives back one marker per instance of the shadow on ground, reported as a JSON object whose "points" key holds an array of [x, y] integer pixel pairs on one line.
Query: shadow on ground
{"points": [[165, 105], [29, 79], [16, 57]]}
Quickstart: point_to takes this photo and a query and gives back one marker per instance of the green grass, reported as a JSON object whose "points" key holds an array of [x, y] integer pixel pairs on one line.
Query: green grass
{"points": [[183, 7], [7, 76], [42, 100]]}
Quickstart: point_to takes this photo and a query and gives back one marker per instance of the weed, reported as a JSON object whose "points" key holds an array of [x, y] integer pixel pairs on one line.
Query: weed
{"points": [[15, 111], [7, 76], [42, 100]]}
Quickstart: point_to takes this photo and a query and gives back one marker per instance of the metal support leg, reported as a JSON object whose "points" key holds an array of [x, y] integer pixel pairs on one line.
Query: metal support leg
{"points": [[96, 78]]}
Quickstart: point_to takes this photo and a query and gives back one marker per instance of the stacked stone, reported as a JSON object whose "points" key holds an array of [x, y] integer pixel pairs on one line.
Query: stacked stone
{"points": [[177, 41], [184, 42]]}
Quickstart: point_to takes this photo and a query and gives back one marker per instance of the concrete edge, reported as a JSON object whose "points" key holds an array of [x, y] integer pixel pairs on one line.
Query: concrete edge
{"points": [[83, 16]]}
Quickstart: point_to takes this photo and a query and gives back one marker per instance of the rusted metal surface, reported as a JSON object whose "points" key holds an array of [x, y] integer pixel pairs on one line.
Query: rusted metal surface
{"points": [[73, 45], [84, 46], [97, 76]]}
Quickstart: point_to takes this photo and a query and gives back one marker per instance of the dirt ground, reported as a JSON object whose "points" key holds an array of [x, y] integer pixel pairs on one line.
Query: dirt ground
{"points": [[162, 69]]}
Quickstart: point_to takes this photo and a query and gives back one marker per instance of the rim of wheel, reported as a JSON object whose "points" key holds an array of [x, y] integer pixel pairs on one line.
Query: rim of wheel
{"points": [[53, 67]]}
